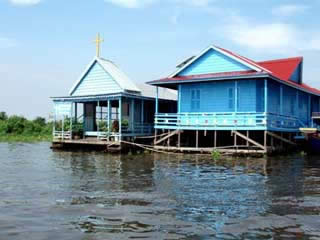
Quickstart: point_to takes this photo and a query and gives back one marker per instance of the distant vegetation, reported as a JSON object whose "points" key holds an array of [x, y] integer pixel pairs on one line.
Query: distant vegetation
{"points": [[18, 128]]}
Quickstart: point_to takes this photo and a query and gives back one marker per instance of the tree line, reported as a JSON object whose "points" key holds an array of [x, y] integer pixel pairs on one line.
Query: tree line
{"points": [[20, 126]]}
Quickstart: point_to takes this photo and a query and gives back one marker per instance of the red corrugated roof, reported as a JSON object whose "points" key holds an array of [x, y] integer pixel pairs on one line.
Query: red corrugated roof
{"points": [[281, 69]]}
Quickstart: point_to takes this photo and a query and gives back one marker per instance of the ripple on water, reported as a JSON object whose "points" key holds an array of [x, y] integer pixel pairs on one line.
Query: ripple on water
{"points": [[69, 195]]}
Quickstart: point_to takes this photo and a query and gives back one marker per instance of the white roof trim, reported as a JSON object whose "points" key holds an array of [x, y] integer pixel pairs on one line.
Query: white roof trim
{"points": [[82, 75], [253, 66]]}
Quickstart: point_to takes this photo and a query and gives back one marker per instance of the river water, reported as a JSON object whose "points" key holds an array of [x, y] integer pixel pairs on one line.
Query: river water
{"points": [[90, 196]]}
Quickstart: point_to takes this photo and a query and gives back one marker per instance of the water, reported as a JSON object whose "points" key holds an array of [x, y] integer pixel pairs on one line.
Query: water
{"points": [[91, 196]]}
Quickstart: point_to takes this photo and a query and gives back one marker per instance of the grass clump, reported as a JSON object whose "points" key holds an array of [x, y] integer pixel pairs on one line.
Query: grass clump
{"points": [[216, 155]]}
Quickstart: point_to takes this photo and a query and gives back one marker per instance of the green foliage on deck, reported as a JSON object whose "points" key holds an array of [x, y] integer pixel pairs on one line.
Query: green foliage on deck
{"points": [[19, 129]]}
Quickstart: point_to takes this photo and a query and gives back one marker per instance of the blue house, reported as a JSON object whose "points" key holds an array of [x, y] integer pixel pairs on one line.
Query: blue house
{"points": [[108, 106], [247, 104]]}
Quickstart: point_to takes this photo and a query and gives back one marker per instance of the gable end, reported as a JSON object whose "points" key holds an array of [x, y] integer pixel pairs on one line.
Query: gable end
{"points": [[96, 81]]}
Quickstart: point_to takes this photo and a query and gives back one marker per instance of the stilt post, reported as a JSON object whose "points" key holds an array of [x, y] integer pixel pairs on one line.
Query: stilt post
{"points": [[120, 118], [197, 139]]}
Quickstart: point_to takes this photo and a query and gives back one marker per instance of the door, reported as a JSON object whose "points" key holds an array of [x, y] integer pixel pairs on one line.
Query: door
{"points": [[89, 117]]}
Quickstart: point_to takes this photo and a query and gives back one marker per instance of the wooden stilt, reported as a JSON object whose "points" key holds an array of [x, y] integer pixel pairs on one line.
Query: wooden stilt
{"points": [[235, 140], [167, 136], [248, 137], [179, 139], [155, 136], [205, 133], [197, 138], [168, 141], [215, 138], [265, 140]]}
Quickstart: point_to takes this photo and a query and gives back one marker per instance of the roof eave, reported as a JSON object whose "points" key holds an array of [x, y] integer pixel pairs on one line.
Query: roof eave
{"points": [[156, 83]]}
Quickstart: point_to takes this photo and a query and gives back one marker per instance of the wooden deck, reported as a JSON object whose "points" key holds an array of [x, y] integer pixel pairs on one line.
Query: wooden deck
{"points": [[209, 150], [87, 141]]}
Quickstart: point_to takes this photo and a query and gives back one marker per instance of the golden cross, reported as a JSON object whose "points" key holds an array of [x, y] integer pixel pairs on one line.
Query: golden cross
{"points": [[98, 42]]}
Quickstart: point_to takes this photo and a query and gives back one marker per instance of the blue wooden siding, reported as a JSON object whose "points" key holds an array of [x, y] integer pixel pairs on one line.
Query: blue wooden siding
{"points": [[213, 62], [96, 81], [289, 101], [315, 104], [247, 96], [219, 96], [273, 97], [303, 107], [259, 95], [296, 76]]}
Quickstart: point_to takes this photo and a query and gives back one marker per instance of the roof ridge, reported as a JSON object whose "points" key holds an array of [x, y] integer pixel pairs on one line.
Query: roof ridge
{"points": [[248, 60], [281, 60]]}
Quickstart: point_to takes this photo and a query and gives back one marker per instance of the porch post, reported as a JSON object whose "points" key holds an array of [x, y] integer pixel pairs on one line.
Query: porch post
{"points": [[265, 96], [157, 100], [75, 112], [142, 115], [98, 103], [54, 120], [281, 99], [120, 118], [132, 113], [309, 109], [179, 98], [109, 111], [71, 120], [297, 103], [236, 96]]}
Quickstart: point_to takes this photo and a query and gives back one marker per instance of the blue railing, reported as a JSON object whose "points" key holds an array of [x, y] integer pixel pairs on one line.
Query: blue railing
{"points": [[226, 121]]}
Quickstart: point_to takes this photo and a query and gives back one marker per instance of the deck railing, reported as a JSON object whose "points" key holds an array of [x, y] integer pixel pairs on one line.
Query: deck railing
{"points": [[316, 115], [62, 135], [225, 121]]}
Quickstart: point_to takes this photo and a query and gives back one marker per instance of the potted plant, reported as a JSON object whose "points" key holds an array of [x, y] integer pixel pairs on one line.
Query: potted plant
{"points": [[77, 130]]}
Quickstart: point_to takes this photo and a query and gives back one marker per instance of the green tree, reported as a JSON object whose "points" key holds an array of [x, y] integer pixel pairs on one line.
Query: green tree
{"points": [[3, 116], [16, 124], [40, 120]]}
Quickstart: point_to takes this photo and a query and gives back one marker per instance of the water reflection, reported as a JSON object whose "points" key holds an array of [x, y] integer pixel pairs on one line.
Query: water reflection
{"points": [[97, 196]]}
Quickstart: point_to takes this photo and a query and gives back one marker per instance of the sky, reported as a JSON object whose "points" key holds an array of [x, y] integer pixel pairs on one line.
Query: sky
{"points": [[46, 44]]}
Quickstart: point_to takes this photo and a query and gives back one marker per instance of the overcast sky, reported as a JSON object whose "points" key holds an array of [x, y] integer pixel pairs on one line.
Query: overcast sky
{"points": [[46, 44]]}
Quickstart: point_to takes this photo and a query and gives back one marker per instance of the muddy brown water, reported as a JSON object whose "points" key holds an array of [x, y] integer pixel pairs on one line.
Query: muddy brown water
{"points": [[93, 196]]}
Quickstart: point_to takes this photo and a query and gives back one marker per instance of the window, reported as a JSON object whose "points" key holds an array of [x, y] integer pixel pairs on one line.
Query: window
{"points": [[231, 98], [195, 99]]}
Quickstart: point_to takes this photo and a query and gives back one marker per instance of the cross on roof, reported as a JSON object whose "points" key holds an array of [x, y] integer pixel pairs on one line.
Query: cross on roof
{"points": [[98, 42]]}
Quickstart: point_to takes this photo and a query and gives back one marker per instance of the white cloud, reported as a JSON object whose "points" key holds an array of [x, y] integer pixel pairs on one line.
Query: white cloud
{"points": [[7, 43], [24, 2], [131, 3], [145, 3], [289, 10], [274, 37], [195, 3]]}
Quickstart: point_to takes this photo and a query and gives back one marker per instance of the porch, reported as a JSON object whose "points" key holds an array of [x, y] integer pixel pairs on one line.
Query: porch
{"points": [[108, 118]]}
